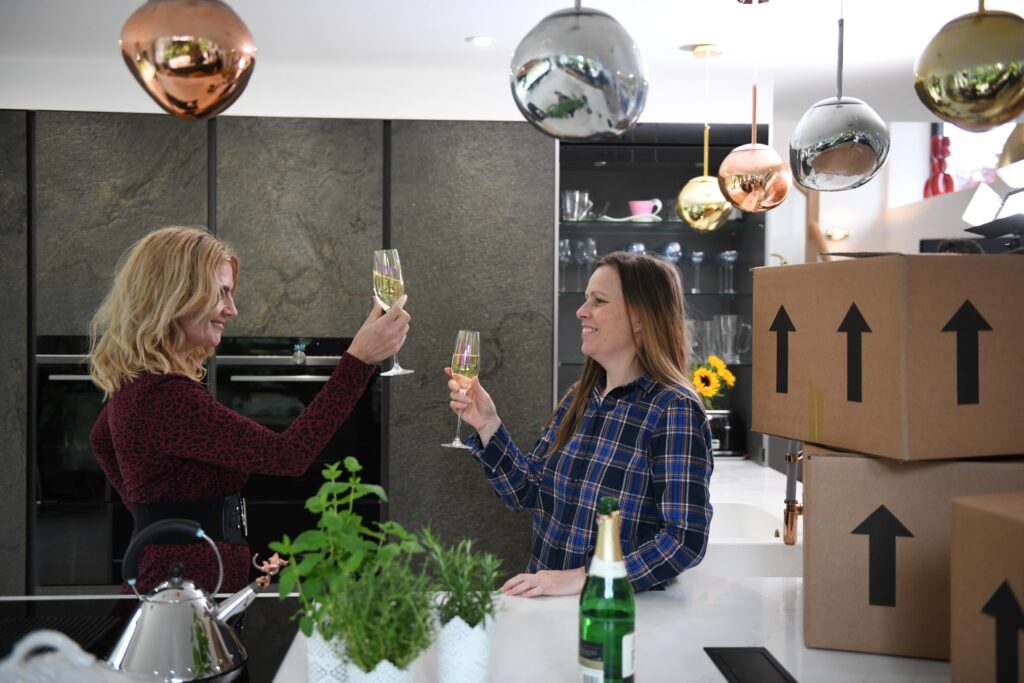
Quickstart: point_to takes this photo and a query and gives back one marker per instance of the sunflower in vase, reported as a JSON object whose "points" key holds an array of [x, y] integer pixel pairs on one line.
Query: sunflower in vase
{"points": [[712, 378]]}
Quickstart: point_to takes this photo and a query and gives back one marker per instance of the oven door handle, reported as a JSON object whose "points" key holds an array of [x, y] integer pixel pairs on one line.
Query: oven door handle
{"points": [[280, 378], [69, 378]]}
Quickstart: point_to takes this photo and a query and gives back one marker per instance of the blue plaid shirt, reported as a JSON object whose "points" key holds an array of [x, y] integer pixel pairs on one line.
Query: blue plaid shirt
{"points": [[646, 444]]}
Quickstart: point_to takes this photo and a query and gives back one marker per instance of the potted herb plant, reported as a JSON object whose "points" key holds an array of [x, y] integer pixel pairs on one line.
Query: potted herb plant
{"points": [[368, 613], [466, 605]]}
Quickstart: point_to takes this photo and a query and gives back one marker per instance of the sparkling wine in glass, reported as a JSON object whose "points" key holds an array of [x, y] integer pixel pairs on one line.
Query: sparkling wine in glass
{"points": [[465, 366], [387, 289]]}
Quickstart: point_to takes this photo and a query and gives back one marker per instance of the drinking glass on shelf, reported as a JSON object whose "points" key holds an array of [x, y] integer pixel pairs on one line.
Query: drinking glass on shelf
{"points": [[734, 336], [592, 256], [465, 366], [564, 257], [727, 263], [696, 258], [579, 253], [388, 288]]}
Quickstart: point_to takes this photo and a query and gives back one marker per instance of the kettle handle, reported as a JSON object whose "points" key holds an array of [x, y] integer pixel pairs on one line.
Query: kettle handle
{"points": [[165, 528]]}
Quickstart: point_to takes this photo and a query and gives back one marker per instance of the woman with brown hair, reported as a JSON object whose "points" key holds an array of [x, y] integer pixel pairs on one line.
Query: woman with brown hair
{"points": [[166, 445], [631, 427]]}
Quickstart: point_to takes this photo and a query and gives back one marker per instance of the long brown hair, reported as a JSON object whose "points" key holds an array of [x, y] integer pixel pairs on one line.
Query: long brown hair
{"points": [[167, 277], [653, 294]]}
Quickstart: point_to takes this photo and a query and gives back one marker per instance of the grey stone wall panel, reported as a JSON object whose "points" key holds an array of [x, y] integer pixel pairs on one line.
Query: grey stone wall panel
{"points": [[102, 182], [300, 201], [473, 218]]}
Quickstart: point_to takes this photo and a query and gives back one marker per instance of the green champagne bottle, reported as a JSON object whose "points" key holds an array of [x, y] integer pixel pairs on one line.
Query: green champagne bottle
{"points": [[607, 608]]}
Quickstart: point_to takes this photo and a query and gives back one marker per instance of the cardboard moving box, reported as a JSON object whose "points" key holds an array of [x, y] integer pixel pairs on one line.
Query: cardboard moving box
{"points": [[877, 548], [909, 357], [987, 599]]}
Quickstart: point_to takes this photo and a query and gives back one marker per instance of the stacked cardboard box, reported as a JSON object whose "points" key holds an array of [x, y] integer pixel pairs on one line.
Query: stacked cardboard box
{"points": [[913, 364], [987, 575]]}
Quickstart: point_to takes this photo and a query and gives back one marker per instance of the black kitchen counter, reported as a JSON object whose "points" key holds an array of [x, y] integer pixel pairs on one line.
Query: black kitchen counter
{"points": [[95, 622]]}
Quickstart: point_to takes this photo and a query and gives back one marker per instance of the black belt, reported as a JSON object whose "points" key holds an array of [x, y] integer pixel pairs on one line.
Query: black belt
{"points": [[222, 519]]}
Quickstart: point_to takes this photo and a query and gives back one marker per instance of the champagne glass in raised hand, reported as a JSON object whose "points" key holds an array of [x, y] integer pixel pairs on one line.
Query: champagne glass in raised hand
{"points": [[465, 366], [387, 289]]}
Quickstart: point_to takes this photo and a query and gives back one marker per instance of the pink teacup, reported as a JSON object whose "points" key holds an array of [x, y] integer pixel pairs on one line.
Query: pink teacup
{"points": [[644, 207]]}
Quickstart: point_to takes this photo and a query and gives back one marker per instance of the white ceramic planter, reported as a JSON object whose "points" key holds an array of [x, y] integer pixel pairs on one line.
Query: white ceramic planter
{"points": [[385, 672], [463, 653], [326, 663]]}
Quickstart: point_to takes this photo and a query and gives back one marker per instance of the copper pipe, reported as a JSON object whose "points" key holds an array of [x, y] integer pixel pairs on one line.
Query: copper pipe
{"points": [[793, 508], [789, 517]]}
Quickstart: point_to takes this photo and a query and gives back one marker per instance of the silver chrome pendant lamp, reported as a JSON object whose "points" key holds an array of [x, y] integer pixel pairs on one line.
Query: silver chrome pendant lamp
{"points": [[839, 143], [578, 75]]}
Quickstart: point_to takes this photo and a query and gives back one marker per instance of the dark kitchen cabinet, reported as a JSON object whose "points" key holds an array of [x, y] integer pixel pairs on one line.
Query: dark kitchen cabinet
{"points": [[655, 161], [102, 182], [15, 370], [300, 200]]}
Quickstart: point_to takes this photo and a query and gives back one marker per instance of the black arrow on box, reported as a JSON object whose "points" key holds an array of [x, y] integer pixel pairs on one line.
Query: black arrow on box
{"points": [[854, 326], [782, 325], [1004, 607], [882, 528], [967, 323]]}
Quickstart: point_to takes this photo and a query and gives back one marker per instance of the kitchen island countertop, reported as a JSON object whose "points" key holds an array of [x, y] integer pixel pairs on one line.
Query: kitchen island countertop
{"points": [[535, 639]]}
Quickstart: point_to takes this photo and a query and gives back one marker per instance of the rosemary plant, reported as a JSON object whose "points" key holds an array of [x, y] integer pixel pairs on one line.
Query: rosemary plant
{"points": [[467, 579]]}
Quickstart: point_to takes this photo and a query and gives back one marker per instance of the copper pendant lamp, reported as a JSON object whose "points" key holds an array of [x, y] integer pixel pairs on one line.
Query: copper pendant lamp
{"points": [[701, 203], [972, 72], [754, 177], [839, 143], [193, 57]]}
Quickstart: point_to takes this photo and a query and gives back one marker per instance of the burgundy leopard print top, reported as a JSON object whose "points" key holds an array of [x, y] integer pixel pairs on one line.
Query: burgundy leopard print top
{"points": [[165, 438]]}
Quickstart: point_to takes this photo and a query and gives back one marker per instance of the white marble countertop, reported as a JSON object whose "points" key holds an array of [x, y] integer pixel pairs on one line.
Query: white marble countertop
{"points": [[536, 639], [750, 482], [712, 606]]}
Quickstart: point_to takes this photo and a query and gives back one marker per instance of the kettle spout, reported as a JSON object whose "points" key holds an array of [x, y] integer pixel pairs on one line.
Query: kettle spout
{"points": [[237, 603]]}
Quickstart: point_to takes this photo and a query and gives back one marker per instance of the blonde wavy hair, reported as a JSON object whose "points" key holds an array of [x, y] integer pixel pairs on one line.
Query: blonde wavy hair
{"points": [[164, 279], [653, 294]]}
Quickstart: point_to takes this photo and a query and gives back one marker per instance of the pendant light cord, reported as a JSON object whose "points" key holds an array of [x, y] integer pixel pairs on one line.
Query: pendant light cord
{"points": [[707, 110], [981, 6], [578, 5], [839, 62]]}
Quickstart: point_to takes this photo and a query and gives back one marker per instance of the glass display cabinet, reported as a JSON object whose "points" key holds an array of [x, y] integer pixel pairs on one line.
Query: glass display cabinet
{"points": [[598, 183]]}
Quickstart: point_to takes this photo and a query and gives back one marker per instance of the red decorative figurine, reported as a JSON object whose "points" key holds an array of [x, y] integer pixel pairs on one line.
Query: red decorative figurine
{"points": [[939, 182]]}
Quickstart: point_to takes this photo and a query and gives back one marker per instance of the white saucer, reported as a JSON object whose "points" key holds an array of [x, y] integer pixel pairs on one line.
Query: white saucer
{"points": [[639, 218]]}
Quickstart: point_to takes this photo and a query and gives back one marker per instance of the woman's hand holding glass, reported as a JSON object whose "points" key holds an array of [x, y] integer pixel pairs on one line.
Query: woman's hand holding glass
{"points": [[465, 367], [388, 288], [382, 334], [474, 406]]}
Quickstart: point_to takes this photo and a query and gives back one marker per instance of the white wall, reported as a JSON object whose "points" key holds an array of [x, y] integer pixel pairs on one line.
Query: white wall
{"points": [[888, 213], [785, 224]]}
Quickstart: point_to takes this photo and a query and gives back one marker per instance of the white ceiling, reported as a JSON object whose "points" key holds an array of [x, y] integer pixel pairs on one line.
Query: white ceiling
{"points": [[408, 58]]}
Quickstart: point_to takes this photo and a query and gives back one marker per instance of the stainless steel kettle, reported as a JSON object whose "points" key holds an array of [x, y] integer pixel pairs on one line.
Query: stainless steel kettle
{"points": [[179, 633]]}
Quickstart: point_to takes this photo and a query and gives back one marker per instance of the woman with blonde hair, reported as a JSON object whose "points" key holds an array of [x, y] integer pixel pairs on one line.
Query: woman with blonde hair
{"points": [[631, 427], [166, 445]]}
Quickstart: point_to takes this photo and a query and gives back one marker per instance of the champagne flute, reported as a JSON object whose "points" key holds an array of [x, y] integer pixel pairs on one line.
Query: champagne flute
{"points": [[465, 366], [387, 289]]}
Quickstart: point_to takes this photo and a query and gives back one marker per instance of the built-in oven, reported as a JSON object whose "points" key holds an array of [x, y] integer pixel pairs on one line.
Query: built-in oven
{"points": [[271, 380], [80, 528]]}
